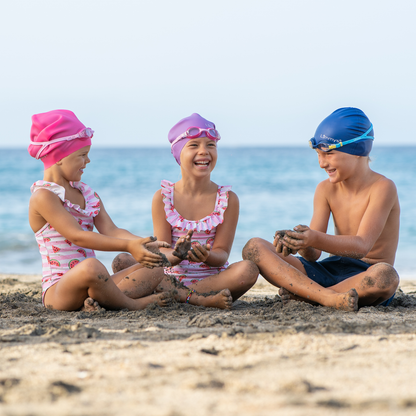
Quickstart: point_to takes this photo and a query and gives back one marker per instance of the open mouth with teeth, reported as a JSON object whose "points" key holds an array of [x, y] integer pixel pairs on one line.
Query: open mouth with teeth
{"points": [[202, 163]]}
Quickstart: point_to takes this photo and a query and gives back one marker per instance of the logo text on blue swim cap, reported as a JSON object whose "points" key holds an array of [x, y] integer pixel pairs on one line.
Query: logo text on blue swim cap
{"points": [[325, 137]]}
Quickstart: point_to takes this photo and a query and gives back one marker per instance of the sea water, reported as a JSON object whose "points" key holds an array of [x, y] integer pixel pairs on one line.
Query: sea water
{"points": [[275, 187]]}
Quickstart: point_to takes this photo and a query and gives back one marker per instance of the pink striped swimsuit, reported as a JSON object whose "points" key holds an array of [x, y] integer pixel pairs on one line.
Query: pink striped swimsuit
{"points": [[189, 272], [58, 254]]}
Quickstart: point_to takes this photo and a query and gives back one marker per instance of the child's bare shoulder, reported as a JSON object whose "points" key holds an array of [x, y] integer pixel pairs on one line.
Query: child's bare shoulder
{"points": [[42, 196], [158, 196], [232, 196]]}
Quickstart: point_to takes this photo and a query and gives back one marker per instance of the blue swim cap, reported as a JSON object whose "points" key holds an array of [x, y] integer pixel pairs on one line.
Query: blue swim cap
{"points": [[344, 125]]}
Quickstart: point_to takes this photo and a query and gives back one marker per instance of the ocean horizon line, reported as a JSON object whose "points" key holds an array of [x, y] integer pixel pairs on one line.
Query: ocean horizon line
{"points": [[225, 146]]}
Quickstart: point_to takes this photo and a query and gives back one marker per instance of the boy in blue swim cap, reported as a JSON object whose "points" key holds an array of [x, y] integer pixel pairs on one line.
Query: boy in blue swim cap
{"points": [[365, 209]]}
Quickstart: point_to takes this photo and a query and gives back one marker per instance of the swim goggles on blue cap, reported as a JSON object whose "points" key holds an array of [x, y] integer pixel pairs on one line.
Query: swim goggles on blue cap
{"points": [[327, 147]]}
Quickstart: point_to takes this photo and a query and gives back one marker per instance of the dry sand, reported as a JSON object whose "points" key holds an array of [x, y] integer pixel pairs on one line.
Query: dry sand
{"points": [[260, 358]]}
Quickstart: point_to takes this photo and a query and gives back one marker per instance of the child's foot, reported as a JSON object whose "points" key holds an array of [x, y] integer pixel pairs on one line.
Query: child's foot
{"points": [[91, 305], [221, 300], [285, 295], [161, 299], [346, 301]]}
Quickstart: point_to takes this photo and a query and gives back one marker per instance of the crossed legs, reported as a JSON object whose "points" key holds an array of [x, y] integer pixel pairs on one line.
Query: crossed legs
{"points": [[289, 273], [90, 280]]}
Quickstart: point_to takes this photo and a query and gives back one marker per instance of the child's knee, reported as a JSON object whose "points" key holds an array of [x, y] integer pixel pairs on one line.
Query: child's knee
{"points": [[251, 269], [122, 261], [92, 269], [385, 277], [247, 271], [251, 250]]}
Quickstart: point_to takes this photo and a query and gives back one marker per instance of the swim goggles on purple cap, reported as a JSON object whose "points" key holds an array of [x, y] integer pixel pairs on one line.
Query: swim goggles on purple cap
{"points": [[194, 132], [327, 147], [83, 134]]}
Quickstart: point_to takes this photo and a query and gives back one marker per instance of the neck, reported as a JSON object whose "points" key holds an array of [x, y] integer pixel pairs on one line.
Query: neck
{"points": [[194, 185], [360, 177], [52, 174]]}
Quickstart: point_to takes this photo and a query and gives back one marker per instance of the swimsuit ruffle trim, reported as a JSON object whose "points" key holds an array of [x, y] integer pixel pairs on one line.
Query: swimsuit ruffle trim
{"points": [[92, 200], [205, 224]]}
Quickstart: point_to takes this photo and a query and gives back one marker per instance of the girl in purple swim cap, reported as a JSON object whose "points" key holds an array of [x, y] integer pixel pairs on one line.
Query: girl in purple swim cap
{"points": [[199, 218]]}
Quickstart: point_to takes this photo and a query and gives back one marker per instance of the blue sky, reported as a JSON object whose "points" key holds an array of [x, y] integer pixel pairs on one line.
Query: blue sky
{"points": [[266, 72]]}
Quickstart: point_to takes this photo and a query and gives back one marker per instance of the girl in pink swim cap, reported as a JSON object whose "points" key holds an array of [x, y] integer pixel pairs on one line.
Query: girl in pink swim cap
{"points": [[199, 212], [63, 212]]}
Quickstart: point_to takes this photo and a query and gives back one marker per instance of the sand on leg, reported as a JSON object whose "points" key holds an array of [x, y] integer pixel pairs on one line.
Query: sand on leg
{"points": [[138, 282], [292, 276], [90, 279], [377, 284], [221, 300], [123, 261], [238, 278]]}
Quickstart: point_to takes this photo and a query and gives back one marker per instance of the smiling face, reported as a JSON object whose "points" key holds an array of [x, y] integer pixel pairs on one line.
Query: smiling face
{"points": [[338, 165], [199, 156], [73, 166]]}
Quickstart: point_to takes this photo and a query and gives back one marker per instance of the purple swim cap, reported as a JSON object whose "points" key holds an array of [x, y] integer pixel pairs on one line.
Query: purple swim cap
{"points": [[194, 120]]}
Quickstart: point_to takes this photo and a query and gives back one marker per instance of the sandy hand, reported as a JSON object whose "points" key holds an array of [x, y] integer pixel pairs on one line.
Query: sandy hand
{"points": [[280, 243], [199, 253], [154, 248], [141, 250], [299, 239], [183, 245]]}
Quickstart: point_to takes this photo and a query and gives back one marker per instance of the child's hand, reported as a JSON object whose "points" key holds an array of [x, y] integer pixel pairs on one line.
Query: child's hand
{"points": [[139, 249], [298, 239], [280, 244], [199, 253], [182, 246]]}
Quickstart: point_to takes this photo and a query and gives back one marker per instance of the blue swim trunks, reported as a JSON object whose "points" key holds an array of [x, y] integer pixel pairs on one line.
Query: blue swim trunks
{"points": [[335, 269]]}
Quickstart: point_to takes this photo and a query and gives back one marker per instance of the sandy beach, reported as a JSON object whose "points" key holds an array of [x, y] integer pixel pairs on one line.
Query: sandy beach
{"points": [[260, 358]]}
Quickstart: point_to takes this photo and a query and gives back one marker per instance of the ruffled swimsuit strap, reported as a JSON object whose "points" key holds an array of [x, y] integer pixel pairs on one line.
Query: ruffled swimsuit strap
{"points": [[207, 223], [92, 200], [50, 186]]}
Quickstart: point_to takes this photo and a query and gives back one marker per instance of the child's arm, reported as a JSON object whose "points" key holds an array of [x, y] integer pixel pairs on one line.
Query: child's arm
{"points": [[106, 226], [217, 255], [50, 208], [382, 198]]}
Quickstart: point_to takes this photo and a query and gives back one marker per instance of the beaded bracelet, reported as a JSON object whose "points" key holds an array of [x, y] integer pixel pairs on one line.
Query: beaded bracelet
{"points": [[189, 295]]}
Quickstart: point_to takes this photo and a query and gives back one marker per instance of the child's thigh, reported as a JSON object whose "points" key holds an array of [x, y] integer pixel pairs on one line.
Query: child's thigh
{"points": [[237, 276], [72, 289], [138, 281], [378, 281], [263, 253]]}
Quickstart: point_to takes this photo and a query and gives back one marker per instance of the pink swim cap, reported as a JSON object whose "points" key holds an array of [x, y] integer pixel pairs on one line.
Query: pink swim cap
{"points": [[194, 120], [55, 135]]}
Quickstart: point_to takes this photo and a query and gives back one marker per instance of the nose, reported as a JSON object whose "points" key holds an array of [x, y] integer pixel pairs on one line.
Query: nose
{"points": [[203, 149], [322, 160], [88, 160]]}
